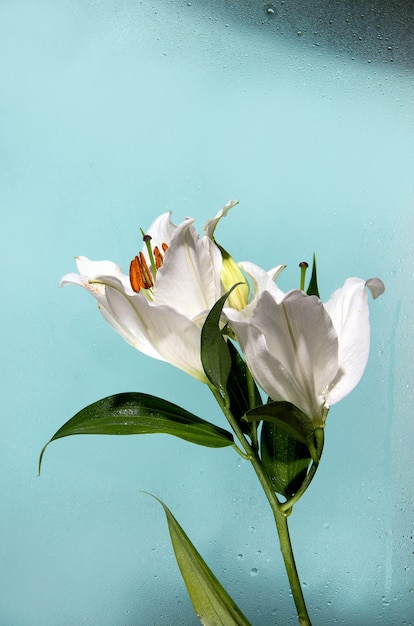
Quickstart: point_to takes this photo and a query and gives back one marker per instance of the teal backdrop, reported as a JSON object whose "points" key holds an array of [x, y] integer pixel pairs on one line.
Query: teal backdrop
{"points": [[111, 113]]}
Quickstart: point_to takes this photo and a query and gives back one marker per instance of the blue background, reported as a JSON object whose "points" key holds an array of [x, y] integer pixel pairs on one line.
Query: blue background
{"points": [[112, 113]]}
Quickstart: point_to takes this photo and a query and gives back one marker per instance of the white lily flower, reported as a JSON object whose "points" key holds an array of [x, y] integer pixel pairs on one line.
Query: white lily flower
{"points": [[160, 308], [301, 350]]}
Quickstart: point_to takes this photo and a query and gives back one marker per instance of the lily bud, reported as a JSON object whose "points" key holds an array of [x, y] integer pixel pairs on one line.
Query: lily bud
{"points": [[231, 274]]}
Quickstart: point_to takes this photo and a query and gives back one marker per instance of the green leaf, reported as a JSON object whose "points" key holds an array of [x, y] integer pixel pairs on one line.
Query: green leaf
{"points": [[285, 459], [211, 602], [287, 417], [215, 354], [238, 388], [139, 414], [313, 283]]}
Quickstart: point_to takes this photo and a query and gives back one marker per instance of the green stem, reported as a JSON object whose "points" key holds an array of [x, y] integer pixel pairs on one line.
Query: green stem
{"points": [[251, 390], [279, 515], [281, 521]]}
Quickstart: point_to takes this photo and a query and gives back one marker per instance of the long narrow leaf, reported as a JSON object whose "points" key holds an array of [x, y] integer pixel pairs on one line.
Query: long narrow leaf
{"points": [[215, 355], [139, 414], [211, 602]]}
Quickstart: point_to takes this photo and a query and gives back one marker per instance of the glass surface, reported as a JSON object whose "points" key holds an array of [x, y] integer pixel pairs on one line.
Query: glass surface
{"points": [[112, 113]]}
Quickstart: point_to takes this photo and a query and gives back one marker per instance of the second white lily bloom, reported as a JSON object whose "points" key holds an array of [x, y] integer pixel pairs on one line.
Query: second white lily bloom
{"points": [[301, 350]]}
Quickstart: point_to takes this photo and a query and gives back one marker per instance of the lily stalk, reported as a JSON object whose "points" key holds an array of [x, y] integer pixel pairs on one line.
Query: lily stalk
{"points": [[280, 514]]}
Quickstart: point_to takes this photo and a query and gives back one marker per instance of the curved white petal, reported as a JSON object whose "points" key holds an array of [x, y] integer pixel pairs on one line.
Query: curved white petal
{"points": [[177, 339], [92, 269], [189, 279], [161, 231], [210, 226], [157, 331], [90, 273], [97, 290], [131, 334], [348, 309], [72, 279], [128, 314], [262, 280]]}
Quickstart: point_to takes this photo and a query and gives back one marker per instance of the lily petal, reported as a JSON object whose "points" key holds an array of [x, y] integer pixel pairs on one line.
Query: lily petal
{"points": [[189, 279], [348, 309], [210, 226], [162, 229], [158, 331], [262, 281]]}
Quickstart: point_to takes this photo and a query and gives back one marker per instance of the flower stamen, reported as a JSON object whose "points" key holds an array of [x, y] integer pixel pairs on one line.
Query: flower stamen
{"points": [[140, 275], [158, 257]]}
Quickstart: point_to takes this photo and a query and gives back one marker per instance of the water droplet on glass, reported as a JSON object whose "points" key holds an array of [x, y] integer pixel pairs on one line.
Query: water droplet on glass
{"points": [[270, 9]]}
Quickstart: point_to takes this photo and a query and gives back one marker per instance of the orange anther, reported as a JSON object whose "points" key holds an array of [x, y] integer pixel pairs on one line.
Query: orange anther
{"points": [[139, 274], [135, 275], [145, 273], [158, 258]]}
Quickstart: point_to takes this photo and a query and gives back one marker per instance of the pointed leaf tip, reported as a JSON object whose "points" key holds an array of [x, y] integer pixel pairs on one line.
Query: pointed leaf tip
{"points": [[313, 289], [39, 465], [211, 602]]}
